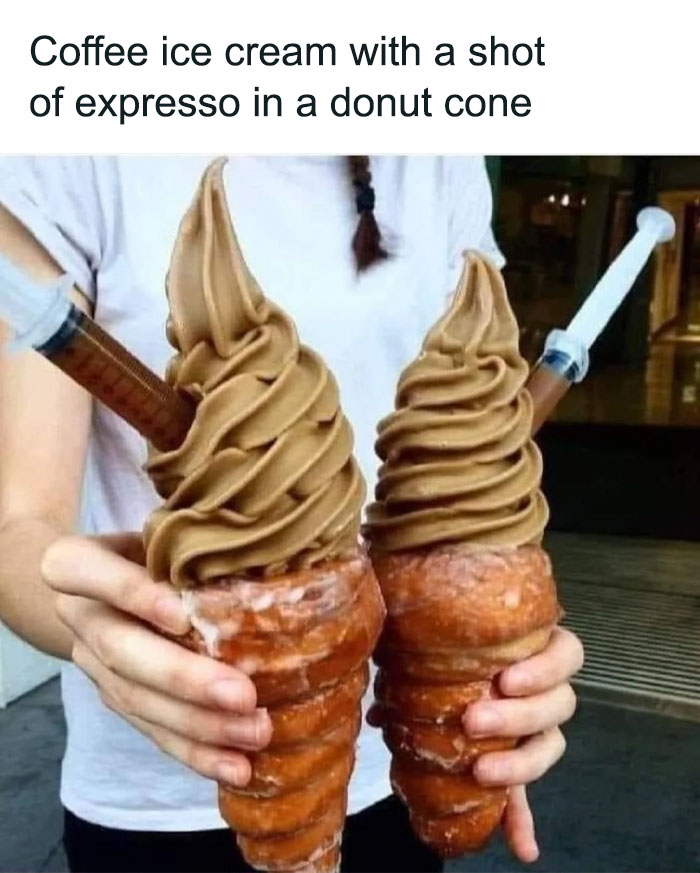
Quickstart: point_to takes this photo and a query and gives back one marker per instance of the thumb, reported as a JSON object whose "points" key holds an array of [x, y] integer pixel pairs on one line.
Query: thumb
{"points": [[519, 826]]}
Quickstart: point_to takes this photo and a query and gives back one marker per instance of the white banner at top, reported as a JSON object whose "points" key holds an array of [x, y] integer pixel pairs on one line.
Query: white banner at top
{"points": [[502, 77]]}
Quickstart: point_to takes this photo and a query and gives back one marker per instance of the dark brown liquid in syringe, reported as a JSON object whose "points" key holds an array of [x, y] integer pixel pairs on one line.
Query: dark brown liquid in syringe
{"points": [[114, 376], [547, 388]]}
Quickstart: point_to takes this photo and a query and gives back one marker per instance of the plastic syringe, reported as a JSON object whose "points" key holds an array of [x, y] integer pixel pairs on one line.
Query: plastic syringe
{"points": [[44, 318], [565, 357]]}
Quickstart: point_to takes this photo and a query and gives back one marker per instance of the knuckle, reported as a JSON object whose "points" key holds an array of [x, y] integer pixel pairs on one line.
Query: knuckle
{"points": [[108, 699], [182, 684], [62, 605], [219, 732], [124, 696], [198, 758], [132, 595], [561, 743], [161, 738], [517, 717], [104, 647], [79, 655], [202, 727], [54, 560], [189, 677], [575, 646], [571, 702]]}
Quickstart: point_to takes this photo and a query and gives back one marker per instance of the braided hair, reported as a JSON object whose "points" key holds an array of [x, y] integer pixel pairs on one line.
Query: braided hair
{"points": [[367, 241]]}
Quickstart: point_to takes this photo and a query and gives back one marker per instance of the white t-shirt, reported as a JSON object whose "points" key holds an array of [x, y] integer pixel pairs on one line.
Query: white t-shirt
{"points": [[110, 223]]}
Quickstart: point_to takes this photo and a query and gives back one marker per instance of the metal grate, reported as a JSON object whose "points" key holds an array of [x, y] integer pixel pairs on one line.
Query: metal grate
{"points": [[642, 647]]}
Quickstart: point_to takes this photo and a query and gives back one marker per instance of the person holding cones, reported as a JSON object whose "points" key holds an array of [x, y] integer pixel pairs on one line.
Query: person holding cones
{"points": [[362, 292]]}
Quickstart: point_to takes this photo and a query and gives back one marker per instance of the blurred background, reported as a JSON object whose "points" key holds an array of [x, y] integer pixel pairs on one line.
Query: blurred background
{"points": [[560, 221], [622, 475]]}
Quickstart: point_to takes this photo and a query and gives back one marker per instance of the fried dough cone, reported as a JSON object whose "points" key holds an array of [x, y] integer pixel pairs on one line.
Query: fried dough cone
{"points": [[456, 618], [454, 535], [305, 638]]}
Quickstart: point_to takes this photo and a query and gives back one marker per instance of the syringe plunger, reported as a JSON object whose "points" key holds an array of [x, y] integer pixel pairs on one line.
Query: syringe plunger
{"points": [[565, 358]]}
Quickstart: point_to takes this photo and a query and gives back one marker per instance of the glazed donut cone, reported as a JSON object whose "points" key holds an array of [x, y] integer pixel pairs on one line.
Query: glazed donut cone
{"points": [[455, 619], [305, 639]]}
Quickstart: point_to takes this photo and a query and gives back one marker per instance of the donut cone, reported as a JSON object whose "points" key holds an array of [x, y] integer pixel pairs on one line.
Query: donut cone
{"points": [[456, 618], [305, 639]]}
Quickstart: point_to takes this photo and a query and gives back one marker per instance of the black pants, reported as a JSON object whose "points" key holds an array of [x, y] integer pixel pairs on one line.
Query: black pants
{"points": [[377, 840]]}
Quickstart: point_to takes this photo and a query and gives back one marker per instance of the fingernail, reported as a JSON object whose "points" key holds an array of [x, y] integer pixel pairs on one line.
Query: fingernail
{"points": [[252, 733], [231, 694], [483, 720], [234, 774], [264, 722], [533, 854], [170, 614]]}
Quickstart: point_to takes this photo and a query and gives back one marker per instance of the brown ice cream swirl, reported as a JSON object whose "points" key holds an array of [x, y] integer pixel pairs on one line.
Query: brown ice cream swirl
{"points": [[458, 461], [265, 480]]}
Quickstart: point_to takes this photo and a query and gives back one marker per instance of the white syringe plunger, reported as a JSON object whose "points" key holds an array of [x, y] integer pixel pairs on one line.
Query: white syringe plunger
{"points": [[657, 219], [655, 226]]}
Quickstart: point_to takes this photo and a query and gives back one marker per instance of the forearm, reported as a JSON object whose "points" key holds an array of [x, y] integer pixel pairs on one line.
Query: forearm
{"points": [[27, 605], [44, 422]]}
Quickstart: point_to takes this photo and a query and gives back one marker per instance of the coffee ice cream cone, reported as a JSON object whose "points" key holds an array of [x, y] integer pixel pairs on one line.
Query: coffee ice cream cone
{"points": [[259, 530], [454, 535]]}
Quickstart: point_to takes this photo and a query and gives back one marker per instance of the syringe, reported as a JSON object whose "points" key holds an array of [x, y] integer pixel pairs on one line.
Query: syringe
{"points": [[565, 357], [43, 318]]}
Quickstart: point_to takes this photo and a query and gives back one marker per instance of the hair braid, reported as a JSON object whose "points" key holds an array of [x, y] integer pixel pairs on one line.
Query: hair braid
{"points": [[367, 241]]}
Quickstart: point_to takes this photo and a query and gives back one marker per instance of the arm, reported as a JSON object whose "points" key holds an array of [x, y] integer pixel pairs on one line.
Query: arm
{"points": [[90, 600], [40, 479]]}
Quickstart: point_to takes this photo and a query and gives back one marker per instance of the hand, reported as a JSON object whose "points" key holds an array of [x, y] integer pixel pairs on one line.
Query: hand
{"points": [[196, 709], [537, 699]]}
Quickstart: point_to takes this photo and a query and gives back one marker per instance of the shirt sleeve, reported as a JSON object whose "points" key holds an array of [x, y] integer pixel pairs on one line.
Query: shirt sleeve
{"points": [[56, 199], [470, 203]]}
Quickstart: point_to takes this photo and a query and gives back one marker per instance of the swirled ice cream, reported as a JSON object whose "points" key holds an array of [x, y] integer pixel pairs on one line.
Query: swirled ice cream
{"points": [[458, 461], [265, 481]]}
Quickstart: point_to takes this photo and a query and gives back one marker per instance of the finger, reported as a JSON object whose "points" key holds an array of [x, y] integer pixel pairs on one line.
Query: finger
{"points": [[138, 654], [557, 663], [520, 716], [87, 568], [519, 826], [208, 726], [525, 764], [219, 764]]}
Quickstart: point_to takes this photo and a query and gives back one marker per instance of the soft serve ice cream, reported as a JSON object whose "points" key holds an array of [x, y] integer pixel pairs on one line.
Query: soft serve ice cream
{"points": [[260, 529], [459, 463], [266, 479]]}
